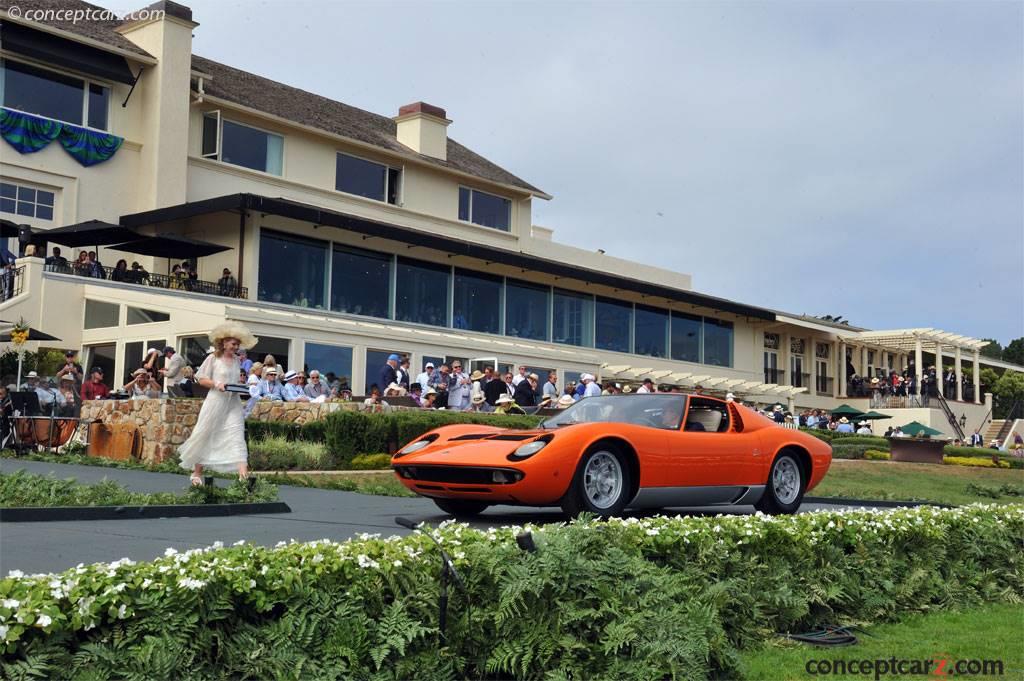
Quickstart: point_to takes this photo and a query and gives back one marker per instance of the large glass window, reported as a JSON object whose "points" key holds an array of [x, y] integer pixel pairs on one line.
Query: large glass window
{"points": [[613, 320], [717, 342], [375, 361], [573, 319], [332, 361], [293, 270], [100, 315], [686, 337], [54, 95], [360, 281], [358, 176], [194, 349], [477, 305], [242, 145], [104, 357], [526, 310], [140, 315], [651, 334], [484, 209], [421, 294], [278, 347], [135, 354]]}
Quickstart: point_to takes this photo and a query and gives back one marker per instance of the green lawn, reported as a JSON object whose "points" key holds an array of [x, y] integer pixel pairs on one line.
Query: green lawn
{"points": [[988, 632], [381, 484], [921, 482]]}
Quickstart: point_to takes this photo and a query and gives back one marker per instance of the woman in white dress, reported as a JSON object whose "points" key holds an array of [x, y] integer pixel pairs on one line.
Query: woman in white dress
{"points": [[218, 439]]}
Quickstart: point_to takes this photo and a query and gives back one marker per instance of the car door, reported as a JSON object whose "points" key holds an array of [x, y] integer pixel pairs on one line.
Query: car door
{"points": [[709, 451]]}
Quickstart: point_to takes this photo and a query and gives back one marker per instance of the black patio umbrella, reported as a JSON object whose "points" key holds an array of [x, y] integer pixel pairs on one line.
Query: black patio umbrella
{"points": [[170, 246], [91, 233], [8, 229]]}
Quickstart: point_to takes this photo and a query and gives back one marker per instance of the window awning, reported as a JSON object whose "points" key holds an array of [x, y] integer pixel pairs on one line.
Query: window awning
{"points": [[58, 51]]}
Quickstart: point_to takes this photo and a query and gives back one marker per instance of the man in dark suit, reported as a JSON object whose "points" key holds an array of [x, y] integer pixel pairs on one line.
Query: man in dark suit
{"points": [[526, 391], [495, 389], [388, 373]]}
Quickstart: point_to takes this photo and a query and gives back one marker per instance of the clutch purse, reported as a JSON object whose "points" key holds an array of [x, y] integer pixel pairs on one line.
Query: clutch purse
{"points": [[236, 388]]}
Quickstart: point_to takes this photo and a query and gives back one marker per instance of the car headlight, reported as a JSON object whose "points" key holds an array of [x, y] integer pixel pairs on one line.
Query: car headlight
{"points": [[415, 446], [528, 450]]}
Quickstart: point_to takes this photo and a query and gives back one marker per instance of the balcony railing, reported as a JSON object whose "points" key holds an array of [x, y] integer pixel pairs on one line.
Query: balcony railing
{"points": [[144, 278], [12, 281]]}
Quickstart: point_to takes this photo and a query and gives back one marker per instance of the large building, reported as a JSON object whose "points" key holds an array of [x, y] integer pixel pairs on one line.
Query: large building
{"points": [[350, 235]]}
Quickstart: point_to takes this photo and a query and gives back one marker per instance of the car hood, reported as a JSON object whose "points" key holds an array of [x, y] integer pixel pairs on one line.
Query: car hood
{"points": [[477, 447]]}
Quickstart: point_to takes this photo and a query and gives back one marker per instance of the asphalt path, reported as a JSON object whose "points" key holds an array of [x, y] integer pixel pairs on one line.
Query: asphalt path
{"points": [[316, 514]]}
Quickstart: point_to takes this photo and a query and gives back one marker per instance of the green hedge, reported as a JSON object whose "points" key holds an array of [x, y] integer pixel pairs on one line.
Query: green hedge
{"points": [[852, 451], [625, 599], [348, 434]]}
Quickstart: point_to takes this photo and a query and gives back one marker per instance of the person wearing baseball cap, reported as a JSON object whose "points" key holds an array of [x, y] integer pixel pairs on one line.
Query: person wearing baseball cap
{"points": [[95, 388], [389, 372], [71, 368]]}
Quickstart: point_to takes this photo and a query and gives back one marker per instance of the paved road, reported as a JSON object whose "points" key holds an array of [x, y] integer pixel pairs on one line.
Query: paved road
{"points": [[316, 514]]}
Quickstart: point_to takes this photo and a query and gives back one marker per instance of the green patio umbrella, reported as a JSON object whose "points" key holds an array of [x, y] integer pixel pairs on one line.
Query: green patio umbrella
{"points": [[915, 429], [873, 416], [846, 410]]}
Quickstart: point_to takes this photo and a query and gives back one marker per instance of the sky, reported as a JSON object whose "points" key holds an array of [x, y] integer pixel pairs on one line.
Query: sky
{"points": [[863, 159]]}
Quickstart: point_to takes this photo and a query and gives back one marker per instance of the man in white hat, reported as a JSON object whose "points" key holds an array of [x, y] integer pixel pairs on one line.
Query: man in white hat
{"points": [[47, 398], [293, 392], [844, 426], [424, 378], [269, 388], [506, 405], [864, 428], [591, 389]]}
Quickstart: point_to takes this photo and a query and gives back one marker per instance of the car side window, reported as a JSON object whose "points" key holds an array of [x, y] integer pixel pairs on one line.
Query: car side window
{"points": [[706, 416]]}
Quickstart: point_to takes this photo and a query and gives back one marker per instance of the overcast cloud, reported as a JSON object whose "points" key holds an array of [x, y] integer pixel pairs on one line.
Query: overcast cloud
{"points": [[862, 159]]}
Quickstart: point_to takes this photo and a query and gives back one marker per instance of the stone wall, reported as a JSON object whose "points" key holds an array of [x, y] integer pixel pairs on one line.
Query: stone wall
{"points": [[163, 424]]}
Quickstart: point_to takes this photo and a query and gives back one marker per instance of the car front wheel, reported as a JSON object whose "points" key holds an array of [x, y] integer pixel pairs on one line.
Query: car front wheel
{"points": [[461, 508], [601, 484], [785, 488]]}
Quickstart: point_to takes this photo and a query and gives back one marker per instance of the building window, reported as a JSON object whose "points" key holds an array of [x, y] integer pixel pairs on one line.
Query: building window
{"points": [[651, 332], [358, 176], [26, 201], [334, 362], [375, 361], [526, 310], [573, 318], [135, 354], [613, 321], [360, 281], [138, 315], [102, 356], [821, 350], [484, 209], [280, 348], [687, 334], [53, 95], [772, 341], [242, 145], [477, 302], [796, 346], [100, 315], [421, 294], [293, 270], [717, 342], [194, 348]]}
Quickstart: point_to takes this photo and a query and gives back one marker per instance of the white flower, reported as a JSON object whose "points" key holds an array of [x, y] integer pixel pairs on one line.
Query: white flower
{"points": [[146, 582], [252, 583], [170, 551], [10, 603], [218, 544], [263, 570], [318, 558], [189, 583], [15, 574], [397, 563], [3, 631], [239, 542], [44, 621], [121, 611], [366, 562], [653, 532]]}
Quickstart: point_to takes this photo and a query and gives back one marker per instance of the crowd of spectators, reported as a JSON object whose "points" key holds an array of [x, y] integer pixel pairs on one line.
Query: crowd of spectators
{"points": [[905, 384]]}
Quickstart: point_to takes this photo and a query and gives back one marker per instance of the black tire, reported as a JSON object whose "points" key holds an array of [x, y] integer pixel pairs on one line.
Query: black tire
{"points": [[461, 508], [779, 497], [606, 497]]}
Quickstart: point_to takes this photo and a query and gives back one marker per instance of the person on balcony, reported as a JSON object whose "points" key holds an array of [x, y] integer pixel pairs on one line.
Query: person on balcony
{"points": [[292, 390], [95, 266], [56, 262], [95, 388], [137, 275], [120, 271], [227, 285], [177, 279], [424, 378], [389, 372]]}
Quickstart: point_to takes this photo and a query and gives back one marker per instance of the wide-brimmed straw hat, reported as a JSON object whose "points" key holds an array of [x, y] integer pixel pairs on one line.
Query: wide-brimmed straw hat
{"points": [[235, 330], [505, 399], [476, 375], [566, 401], [844, 420]]}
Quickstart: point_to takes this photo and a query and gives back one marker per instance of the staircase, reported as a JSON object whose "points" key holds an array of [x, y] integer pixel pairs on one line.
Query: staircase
{"points": [[953, 422], [996, 428]]}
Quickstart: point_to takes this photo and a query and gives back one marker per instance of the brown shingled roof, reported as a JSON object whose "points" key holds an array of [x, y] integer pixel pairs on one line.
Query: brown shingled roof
{"points": [[100, 31], [316, 111]]}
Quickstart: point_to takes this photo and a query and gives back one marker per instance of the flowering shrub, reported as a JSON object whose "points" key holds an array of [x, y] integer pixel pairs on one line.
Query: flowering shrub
{"points": [[974, 461], [876, 455], [633, 599]]}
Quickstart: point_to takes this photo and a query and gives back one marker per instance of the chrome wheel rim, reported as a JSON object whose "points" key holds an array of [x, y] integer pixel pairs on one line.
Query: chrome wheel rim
{"points": [[786, 480], [602, 480]]}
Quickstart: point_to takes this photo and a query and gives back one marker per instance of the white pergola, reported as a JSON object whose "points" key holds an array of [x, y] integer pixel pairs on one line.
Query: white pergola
{"points": [[738, 386], [918, 341]]}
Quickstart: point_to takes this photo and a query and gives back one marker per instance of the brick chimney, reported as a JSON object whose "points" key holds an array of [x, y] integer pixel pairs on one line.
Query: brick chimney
{"points": [[423, 128]]}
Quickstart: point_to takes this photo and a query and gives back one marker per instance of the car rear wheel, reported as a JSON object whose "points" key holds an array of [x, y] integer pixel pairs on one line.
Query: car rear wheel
{"points": [[461, 508], [601, 484], [785, 488]]}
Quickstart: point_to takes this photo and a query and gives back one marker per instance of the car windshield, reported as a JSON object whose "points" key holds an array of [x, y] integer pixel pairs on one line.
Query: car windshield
{"points": [[654, 411]]}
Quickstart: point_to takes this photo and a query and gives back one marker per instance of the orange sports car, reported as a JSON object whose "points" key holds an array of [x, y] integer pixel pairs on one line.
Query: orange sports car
{"points": [[605, 454]]}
